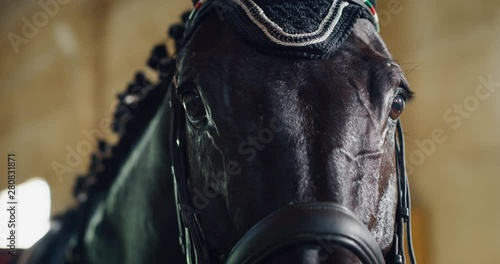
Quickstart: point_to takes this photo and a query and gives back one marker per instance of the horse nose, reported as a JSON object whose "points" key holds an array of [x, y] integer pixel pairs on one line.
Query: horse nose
{"points": [[315, 254]]}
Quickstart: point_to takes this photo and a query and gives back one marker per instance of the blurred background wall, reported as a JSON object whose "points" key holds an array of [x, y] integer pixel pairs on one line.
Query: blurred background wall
{"points": [[58, 79]]}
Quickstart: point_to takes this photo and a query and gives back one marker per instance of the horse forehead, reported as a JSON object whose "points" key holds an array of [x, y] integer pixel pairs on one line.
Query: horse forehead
{"points": [[230, 55]]}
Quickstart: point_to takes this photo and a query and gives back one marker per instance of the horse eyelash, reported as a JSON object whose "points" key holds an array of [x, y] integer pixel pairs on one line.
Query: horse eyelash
{"points": [[404, 90]]}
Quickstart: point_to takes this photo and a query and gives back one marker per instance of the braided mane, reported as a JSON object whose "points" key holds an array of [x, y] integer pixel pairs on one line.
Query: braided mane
{"points": [[136, 108]]}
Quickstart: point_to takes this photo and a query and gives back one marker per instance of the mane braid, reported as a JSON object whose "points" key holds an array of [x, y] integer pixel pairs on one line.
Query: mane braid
{"points": [[135, 110]]}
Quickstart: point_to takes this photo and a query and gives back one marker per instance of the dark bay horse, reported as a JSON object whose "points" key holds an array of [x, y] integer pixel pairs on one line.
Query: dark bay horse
{"points": [[264, 147]]}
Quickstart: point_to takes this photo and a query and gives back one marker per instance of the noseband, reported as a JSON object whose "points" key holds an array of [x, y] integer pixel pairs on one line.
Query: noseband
{"points": [[292, 225]]}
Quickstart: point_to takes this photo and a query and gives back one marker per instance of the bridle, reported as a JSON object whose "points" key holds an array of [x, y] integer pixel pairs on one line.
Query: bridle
{"points": [[337, 222], [292, 225], [316, 221]]}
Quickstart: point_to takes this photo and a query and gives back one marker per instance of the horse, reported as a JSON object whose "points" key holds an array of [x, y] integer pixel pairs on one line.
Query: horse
{"points": [[271, 136]]}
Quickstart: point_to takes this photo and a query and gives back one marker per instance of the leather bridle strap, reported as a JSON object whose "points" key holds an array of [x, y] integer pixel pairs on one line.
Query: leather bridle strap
{"points": [[191, 236], [300, 224], [403, 214]]}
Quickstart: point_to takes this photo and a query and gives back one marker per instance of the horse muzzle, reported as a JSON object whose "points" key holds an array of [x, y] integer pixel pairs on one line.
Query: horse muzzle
{"points": [[326, 225]]}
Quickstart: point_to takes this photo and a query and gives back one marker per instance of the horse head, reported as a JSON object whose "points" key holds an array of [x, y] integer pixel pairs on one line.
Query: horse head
{"points": [[287, 134]]}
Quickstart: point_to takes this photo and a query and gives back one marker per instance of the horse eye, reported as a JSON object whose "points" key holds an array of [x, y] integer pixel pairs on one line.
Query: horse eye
{"points": [[397, 107], [193, 106]]}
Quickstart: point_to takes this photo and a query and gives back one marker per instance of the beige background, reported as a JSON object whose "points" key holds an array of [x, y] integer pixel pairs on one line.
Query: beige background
{"points": [[62, 82]]}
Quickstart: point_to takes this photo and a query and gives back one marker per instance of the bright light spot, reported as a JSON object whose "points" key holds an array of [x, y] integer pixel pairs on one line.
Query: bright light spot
{"points": [[32, 213]]}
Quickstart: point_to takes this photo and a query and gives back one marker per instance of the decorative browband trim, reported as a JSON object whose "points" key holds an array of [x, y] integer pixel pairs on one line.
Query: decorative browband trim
{"points": [[277, 35]]}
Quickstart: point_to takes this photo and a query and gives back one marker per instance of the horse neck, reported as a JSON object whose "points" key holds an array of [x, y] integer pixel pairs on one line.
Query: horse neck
{"points": [[136, 222]]}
